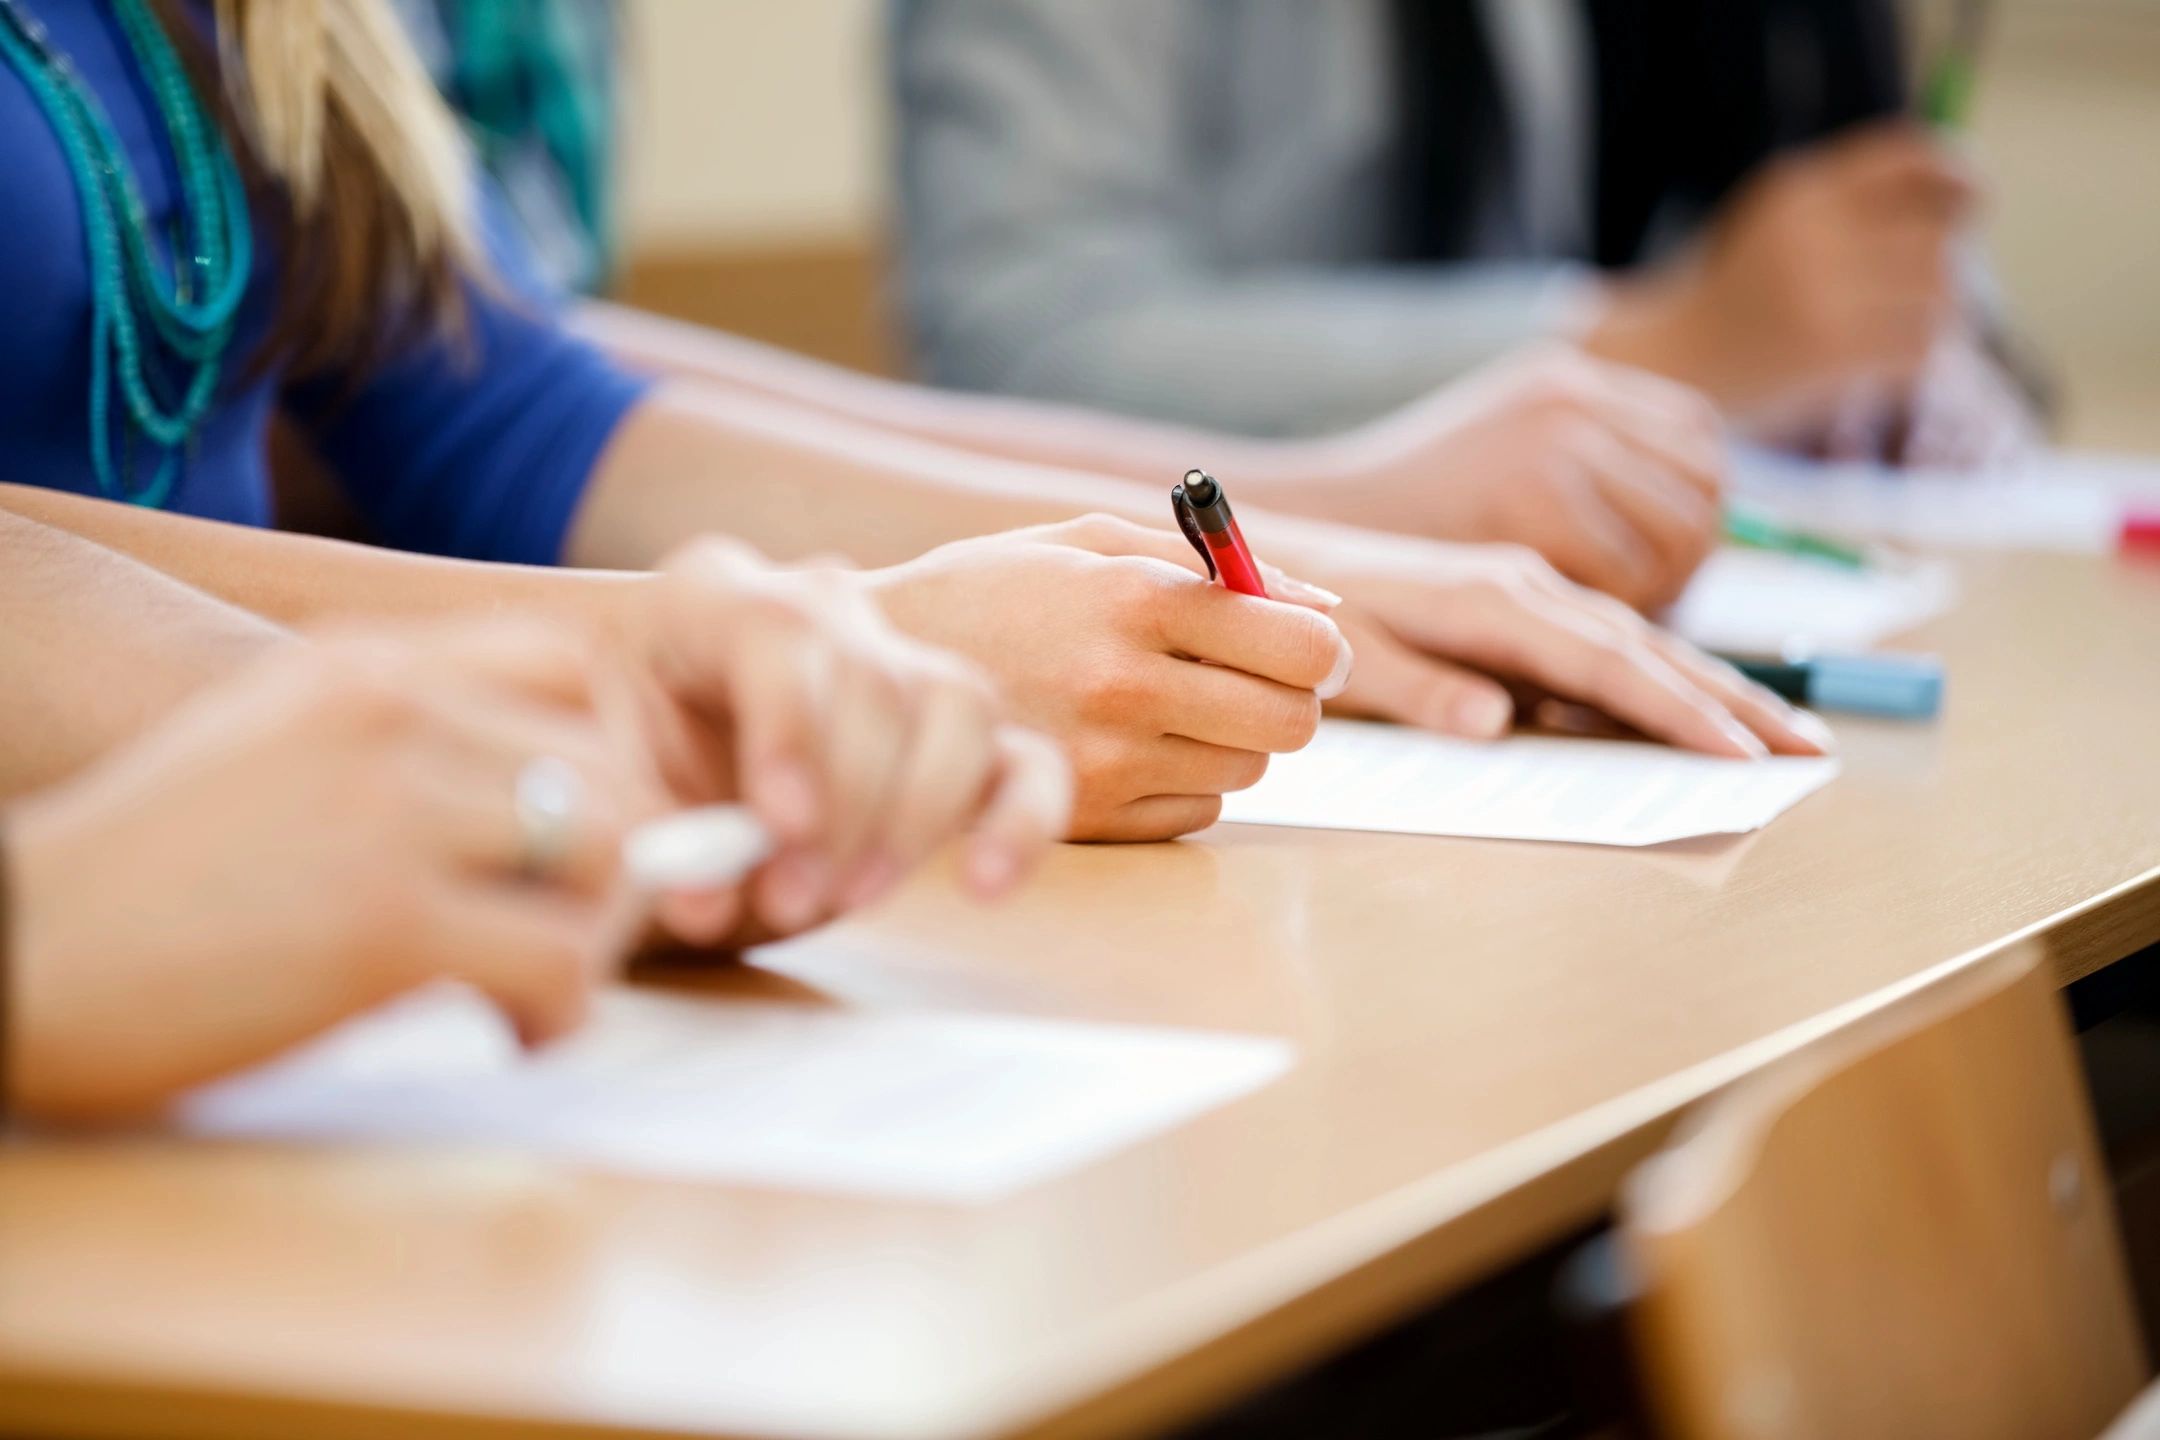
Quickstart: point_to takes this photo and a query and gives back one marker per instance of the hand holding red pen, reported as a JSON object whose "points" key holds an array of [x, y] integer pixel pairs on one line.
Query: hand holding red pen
{"points": [[1165, 691]]}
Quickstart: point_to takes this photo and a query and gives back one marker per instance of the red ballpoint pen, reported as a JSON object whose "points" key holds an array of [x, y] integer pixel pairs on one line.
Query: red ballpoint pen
{"points": [[1203, 513]]}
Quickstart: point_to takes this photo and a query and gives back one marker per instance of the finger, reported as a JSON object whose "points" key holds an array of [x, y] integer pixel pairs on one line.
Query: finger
{"points": [[1159, 817], [469, 760], [471, 816], [775, 698], [537, 955], [1396, 683], [1674, 518], [1174, 765], [1786, 730], [1222, 706], [1288, 644], [1593, 545], [1030, 807], [868, 731], [946, 776], [1675, 425], [1602, 657], [1110, 536]]}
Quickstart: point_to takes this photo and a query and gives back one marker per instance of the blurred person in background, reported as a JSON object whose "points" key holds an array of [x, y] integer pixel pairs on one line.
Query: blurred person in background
{"points": [[304, 827], [1281, 218], [1613, 479]]}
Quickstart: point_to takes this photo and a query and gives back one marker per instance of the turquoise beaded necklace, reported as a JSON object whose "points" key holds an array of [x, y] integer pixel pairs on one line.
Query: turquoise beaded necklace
{"points": [[158, 329]]}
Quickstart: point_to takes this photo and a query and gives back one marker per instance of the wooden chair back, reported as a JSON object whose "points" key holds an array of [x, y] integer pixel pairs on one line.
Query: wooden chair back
{"points": [[1903, 1232]]}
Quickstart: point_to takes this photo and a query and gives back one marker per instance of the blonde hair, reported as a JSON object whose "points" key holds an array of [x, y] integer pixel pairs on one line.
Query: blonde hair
{"points": [[335, 116], [290, 63]]}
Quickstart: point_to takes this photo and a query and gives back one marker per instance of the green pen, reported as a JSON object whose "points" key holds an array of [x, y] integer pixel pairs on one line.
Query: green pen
{"points": [[1754, 531], [1946, 94]]}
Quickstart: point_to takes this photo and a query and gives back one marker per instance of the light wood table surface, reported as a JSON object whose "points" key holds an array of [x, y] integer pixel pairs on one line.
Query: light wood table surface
{"points": [[1489, 1035]]}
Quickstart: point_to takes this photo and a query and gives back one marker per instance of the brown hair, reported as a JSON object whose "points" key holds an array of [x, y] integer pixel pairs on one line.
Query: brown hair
{"points": [[355, 162]]}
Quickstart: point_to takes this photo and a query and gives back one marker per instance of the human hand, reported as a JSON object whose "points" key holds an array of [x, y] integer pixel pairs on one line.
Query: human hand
{"points": [[1832, 265], [1460, 638], [339, 824], [1612, 473], [1166, 692], [861, 750]]}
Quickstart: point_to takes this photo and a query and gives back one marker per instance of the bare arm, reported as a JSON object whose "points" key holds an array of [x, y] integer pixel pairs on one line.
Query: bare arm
{"points": [[96, 647], [1004, 427], [295, 579], [798, 481]]}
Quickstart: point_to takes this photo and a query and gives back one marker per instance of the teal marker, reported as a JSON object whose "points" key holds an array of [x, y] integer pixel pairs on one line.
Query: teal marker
{"points": [[1756, 531], [1901, 687]]}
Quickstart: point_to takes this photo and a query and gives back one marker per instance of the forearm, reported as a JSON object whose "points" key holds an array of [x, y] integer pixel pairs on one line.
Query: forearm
{"points": [[97, 647], [1288, 353], [1028, 431], [798, 482], [302, 579]]}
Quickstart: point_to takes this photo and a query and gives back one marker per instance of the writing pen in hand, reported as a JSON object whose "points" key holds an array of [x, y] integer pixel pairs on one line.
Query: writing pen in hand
{"points": [[1203, 514], [1946, 94], [1754, 531]]}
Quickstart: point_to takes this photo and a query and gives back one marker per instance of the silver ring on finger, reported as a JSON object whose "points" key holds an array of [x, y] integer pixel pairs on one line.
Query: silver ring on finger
{"points": [[550, 803]]}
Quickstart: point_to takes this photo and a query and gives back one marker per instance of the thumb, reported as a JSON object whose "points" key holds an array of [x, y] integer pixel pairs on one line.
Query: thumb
{"points": [[1393, 682], [1113, 535]]}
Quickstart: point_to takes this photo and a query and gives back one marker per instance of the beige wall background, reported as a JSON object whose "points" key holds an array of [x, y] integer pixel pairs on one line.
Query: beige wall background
{"points": [[760, 125]]}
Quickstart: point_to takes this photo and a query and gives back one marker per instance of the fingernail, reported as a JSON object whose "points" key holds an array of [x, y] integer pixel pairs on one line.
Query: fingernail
{"points": [[1338, 679], [1749, 742], [1811, 728], [991, 867], [1303, 592]]}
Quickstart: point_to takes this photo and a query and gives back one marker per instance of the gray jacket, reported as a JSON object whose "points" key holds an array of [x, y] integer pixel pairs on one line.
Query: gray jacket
{"points": [[1179, 208]]}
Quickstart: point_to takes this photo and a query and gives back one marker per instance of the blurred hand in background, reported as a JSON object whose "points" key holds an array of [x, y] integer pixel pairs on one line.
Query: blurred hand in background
{"points": [[1613, 474], [1834, 266]]}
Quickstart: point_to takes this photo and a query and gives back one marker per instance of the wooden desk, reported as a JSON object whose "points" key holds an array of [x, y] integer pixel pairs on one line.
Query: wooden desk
{"points": [[1491, 1034]]}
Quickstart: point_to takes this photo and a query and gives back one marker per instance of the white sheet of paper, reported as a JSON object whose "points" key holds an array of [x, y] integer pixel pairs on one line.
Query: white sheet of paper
{"points": [[925, 1105], [1758, 602], [1361, 776], [2064, 501]]}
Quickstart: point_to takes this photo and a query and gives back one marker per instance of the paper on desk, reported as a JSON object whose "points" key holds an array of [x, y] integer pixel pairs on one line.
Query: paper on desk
{"points": [[921, 1105], [2058, 501], [1360, 776], [1761, 603]]}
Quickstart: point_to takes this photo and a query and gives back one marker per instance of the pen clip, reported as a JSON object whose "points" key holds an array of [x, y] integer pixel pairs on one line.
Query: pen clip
{"points": [[1186, 522]]}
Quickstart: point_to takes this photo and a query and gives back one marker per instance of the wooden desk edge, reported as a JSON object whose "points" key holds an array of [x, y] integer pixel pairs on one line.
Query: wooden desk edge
{"points": [[1514, 1222]]}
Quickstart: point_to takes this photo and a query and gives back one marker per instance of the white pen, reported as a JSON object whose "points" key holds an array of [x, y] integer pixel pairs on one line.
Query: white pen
{"points": [[700, 849]]}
